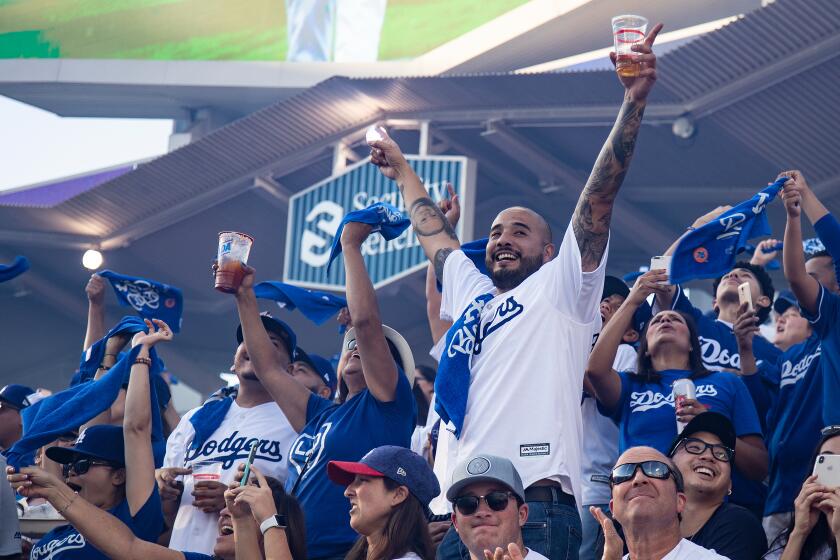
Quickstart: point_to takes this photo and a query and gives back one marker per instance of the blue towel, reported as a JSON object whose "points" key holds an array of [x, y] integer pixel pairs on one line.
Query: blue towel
{"points": [[92, 357], [150, 299], [18, 267], [210, 416], [318, 307], [710, 250], [384, 218], [452, 384], [67, 410]]}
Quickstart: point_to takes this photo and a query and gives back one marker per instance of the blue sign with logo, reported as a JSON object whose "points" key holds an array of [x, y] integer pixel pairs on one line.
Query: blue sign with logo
{"points": [[315, 213]]}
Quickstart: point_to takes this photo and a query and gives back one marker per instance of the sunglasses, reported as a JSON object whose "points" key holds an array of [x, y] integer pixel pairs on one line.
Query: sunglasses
{"points": [[497, 501], [698, 447], [351, 344], [651, 469], [830, 430], [81, 466]]}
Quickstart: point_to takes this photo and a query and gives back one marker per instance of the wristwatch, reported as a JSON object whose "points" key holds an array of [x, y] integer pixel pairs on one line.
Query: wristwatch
{"points": [[278, 521]]}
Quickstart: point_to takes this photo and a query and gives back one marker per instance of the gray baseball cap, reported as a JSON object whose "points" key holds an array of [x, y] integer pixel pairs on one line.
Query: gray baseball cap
{"points": [[485, 468]]}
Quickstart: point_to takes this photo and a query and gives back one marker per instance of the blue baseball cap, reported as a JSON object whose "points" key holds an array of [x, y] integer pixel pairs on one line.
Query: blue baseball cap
{"points": [[320, 365], [103, 442], [278, 327], [784, 301], [399, 464], [18, 396]]}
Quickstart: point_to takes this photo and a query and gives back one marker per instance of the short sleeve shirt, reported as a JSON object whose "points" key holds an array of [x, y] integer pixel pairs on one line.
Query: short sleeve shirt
{"points": [[826, 323]]}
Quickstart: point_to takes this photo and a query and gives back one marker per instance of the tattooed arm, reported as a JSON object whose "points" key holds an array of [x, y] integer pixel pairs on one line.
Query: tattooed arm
{"points": [[591, 221], [433, 230]]}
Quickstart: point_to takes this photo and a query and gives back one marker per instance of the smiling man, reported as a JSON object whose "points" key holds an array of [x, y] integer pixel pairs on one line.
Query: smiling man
{"points": [[648, 499], [520, 339], [703, 453]]}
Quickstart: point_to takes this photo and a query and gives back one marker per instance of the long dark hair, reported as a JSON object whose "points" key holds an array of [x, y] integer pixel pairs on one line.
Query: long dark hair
{"points": [[820, 536], [427, 374], [644, 364], [407, 530], [295, 528]]}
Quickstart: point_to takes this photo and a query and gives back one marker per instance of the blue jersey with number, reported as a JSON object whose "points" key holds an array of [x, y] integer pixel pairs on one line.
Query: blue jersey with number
{"points": [[343, 432], [66, 543]]}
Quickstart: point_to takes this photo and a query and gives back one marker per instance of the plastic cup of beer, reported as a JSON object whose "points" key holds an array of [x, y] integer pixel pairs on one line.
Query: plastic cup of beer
{"points": [[628, 30], [206, 470], [234, 248]]}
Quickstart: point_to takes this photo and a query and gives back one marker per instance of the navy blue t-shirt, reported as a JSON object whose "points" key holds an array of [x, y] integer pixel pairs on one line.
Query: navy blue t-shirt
{"points": [[343, 432], [646, 414], [794, 423], [66, 543], [826, 324]]}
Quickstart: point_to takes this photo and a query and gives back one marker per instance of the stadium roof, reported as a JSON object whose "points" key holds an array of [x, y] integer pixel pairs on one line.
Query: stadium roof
{"points": [[534, 137]]}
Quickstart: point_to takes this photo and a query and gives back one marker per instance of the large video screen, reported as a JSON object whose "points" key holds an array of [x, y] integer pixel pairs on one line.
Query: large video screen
{"points": [[235, 29]]}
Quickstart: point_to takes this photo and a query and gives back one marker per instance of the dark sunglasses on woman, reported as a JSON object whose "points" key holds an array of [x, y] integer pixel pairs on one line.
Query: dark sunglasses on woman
{"points": [[81, 466], [497, 501]]}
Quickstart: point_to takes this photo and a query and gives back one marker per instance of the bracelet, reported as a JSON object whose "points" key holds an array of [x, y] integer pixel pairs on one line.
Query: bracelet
{"points": [[70, 503], [147, 361]]}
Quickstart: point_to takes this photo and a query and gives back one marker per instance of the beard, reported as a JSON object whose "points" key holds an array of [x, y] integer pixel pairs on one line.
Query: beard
{"points": [[506, 279]]}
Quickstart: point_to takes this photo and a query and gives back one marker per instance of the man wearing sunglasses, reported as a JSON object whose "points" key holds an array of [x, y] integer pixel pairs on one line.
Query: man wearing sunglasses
{"points": [[648, 499], [703, 453], [489, 508]]}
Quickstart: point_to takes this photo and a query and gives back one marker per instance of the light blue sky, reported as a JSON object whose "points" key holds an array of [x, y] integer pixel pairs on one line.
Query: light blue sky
{"points": [[37, 146]]}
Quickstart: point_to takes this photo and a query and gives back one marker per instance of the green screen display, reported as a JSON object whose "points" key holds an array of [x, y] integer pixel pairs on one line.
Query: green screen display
{"points": [[212, 29]]}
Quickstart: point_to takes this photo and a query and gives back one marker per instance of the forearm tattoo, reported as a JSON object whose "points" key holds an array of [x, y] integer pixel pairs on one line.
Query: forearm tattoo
{"points": [[439, 261], [591, 221], [428, 220]]}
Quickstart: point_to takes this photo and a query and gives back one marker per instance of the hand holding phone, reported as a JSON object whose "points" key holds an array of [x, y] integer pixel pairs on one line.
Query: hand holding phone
{"points": [[745, 296], [662, 262], [248, 462], [827, 469]]}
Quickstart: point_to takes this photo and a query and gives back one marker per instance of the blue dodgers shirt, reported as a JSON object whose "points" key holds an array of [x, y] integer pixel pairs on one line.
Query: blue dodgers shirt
{"points": [[646, 414], [66, 543], [793, 425], [343, 432], [826, 324]]}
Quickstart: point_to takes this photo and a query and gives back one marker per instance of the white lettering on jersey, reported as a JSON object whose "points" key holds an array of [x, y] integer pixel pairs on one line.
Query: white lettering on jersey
{"points": [[793, 373], [308, 449], [233, 448], [49, 550], [641, 401], [506, 311], [715, 357]]}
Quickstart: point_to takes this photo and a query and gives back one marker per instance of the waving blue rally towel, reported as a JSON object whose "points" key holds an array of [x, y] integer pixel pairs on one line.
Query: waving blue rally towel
{"points": [[18, 267], [209, 417], [92, 357], [384, 218], [67, 410], [710, 250], [318, 307], [452, 383], [150, 299]]}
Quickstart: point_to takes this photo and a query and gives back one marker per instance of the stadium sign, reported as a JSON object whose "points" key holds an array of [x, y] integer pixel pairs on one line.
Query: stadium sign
{"points": [[316, 212]]}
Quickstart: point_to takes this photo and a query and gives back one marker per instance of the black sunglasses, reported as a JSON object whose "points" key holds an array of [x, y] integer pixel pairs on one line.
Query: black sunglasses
{"points": [[351, 344], [830, 430], [651, 469], [698, 447], [497, 501], [81, 466]]}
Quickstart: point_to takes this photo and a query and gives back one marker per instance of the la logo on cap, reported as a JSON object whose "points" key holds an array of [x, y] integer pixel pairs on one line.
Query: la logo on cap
{"points": [[401, 471], [81, 437]]}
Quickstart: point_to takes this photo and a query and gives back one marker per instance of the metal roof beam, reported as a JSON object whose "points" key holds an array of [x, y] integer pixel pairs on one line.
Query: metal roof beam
{"points": [[48, 239]]}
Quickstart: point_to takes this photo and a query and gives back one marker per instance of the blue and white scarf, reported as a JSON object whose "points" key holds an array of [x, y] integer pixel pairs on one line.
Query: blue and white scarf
{"points": [[316, 306], [148, 298], [210, 416], [452, 384], [381, 216]]}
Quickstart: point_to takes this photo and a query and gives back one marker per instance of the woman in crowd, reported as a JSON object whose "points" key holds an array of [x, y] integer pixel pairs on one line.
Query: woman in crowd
{"points": [[703, 453], [642, 403], [424, 390], [814, 533], [115, 540], [375, 404]]}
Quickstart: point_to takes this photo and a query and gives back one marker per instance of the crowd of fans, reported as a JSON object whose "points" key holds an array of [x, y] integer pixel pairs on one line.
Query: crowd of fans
{"points": [[549, 428]]}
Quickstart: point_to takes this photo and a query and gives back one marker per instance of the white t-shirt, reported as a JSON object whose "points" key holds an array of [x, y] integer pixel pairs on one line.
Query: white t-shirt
{"points": [[195, 530], [687, 550], [600, 446], [526, 382], [534, 555]]}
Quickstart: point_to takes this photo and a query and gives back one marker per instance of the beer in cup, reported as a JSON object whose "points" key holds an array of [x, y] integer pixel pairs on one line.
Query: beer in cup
{"points": [[234, 248], [628, 30]]}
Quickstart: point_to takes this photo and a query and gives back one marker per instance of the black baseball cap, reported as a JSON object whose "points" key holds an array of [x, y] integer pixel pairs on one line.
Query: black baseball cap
{"points": [[278, 327], [614, 286], [784, 301], [102, 442], [712, 422], [401, 465]]}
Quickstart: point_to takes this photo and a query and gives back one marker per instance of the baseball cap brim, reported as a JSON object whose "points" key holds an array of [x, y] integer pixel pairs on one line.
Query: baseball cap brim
{"points": [[278, 327], [344, 472], [614, 286], [782, 304], [66, 455], [711, 422], [455, 490]]}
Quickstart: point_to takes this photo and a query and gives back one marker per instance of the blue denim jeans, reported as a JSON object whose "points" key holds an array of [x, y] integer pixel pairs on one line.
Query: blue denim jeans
{"points": [[553, 529]]}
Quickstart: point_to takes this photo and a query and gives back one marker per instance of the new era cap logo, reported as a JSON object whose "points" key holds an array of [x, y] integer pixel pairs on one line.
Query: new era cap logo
{"points": [[401, 471]]}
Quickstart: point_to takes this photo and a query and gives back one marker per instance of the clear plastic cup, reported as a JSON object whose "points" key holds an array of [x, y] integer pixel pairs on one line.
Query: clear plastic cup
{"points": [[683, 389], [628, 30], [234, 248], [206, 470]]}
